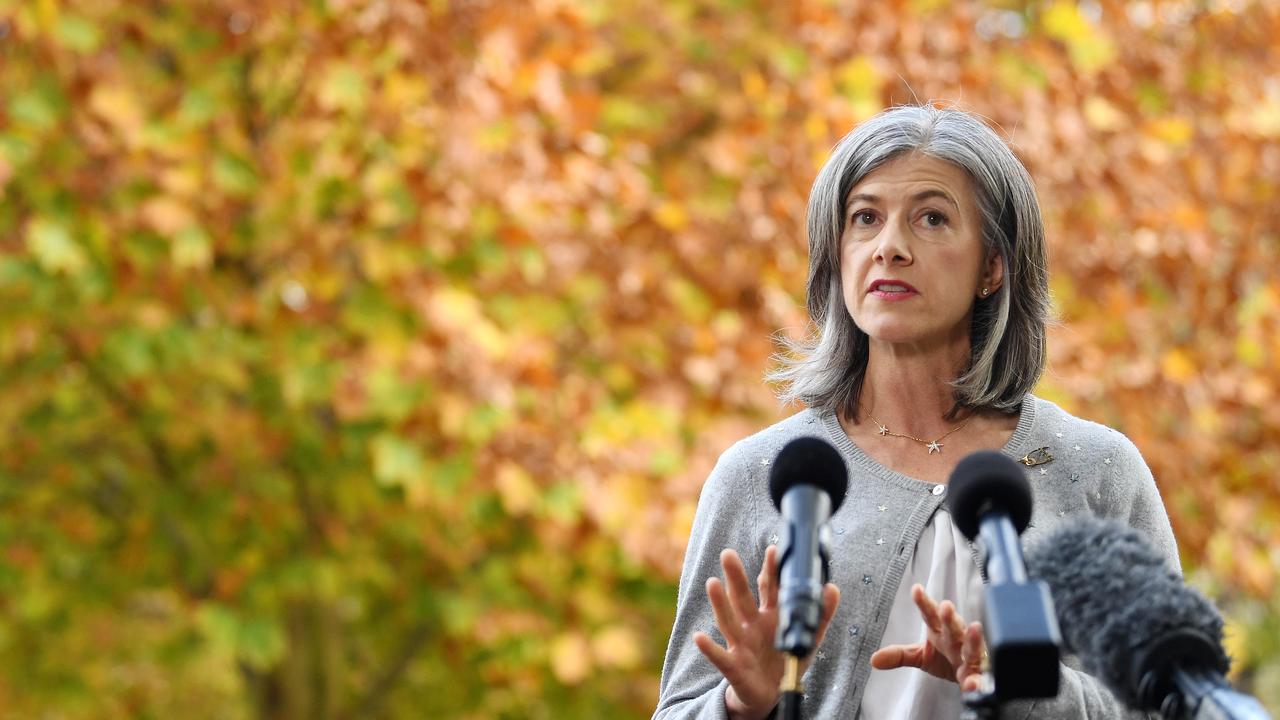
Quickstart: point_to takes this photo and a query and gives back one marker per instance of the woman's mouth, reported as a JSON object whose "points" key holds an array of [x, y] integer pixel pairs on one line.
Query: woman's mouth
{"points": [[891, 290]]}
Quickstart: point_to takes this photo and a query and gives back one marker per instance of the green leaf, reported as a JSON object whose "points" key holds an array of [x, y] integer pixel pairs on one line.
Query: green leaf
{"points": [[260, 643], [396, 461], [76, 33], [343, 88], [129, 349], [234, 174], [53, 247], [197, 108], [389, 397], [34, 108], [192, 249]]}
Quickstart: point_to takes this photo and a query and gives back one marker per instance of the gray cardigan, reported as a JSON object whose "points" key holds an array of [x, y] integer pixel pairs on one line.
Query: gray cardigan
{"points": [[1096, 471]]}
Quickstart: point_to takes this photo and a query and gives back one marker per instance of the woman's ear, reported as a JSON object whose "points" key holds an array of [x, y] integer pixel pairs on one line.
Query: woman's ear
{"points": [[992, 275]]}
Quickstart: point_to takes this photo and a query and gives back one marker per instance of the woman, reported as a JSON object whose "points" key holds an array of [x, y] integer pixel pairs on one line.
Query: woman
{"points": [[928, 286]]}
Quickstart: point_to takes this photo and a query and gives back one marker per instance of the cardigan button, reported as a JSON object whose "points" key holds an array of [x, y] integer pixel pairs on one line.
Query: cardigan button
{"points": [[939, 489]]}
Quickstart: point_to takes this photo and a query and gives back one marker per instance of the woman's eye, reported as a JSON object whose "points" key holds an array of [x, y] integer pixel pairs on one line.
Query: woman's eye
{"points": [[934, 219], [858, 216]]}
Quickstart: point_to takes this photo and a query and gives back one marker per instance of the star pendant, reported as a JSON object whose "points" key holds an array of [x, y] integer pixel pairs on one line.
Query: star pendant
{"points": [[935, 447], [883, 430]]}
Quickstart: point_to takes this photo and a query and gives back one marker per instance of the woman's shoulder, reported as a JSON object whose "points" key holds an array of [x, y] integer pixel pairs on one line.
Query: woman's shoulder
{"points": [[742, 470], [1075, 435], [760, 448]]}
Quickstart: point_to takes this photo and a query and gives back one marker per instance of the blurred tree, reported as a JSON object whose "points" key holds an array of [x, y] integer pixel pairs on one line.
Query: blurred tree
{"points": [[364, 358]]}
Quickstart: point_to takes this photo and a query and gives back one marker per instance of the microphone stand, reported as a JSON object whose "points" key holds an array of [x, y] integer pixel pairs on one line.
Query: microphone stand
{"points": [[980, 705], [792, 690]]}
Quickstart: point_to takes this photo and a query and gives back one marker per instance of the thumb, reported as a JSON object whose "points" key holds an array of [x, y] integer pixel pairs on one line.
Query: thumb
{"points": [[891, 657], [830, 601]]}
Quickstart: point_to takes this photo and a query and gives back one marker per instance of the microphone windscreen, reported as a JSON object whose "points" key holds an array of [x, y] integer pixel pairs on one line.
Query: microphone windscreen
{"points": [[983, 481], [1115, 596], [808, 461]]}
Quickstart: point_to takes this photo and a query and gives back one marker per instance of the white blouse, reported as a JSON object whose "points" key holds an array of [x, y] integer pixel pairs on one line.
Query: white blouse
{"points": [[943, 564]]}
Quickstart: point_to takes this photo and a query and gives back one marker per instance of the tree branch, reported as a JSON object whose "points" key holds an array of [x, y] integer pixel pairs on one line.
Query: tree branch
{"points": [[373, 701]]}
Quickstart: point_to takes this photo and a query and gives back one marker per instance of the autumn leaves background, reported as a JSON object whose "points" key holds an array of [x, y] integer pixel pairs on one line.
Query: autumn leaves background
{"points": [[364, 358]]}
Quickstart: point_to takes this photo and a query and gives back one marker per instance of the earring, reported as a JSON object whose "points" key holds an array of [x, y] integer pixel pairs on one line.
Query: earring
{"points": [[985, 291]]}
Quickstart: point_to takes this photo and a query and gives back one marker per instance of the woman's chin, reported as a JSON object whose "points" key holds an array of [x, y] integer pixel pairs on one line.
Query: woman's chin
{"points": [[909, 335], [894, 333]]}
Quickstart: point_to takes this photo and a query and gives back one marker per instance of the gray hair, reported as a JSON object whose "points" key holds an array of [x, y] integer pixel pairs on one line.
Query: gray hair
{"points": [[1007, 335]]}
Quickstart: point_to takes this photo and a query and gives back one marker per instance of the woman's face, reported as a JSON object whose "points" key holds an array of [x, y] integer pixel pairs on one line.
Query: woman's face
{"points": [[911, 256]]}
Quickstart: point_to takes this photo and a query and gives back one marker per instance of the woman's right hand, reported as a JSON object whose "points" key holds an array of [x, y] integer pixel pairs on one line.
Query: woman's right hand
{"points": [[750, 662]]}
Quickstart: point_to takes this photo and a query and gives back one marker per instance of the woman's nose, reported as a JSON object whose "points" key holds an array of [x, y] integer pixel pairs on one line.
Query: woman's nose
{"points": [[893, 246]]}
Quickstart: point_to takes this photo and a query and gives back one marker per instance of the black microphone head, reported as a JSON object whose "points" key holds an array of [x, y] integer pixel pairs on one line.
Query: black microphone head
{"points": [[1123, 610], [808, 461], [987, 480]]}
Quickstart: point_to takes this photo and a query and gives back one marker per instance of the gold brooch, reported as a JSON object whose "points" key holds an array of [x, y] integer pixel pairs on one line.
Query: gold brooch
{"points": [[1039, 456]]}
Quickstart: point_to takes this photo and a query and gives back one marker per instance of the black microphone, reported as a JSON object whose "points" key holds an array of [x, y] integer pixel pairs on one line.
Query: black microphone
{"points": [[1156, 643], [807, 483], [990, 499]]}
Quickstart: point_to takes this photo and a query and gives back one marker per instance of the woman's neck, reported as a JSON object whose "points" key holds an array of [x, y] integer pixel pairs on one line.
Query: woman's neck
{"points": [[909, 391]]}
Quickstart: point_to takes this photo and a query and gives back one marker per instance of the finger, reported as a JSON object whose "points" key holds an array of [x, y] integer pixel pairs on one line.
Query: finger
{"points": [[971, 653], [717, 655], [830, 601], [735, 576], [928, 609], [891, 657], [975, 648], [928, 654], [766, 582], [973, 643], [725, 619], [953, 622], [952, 632]]}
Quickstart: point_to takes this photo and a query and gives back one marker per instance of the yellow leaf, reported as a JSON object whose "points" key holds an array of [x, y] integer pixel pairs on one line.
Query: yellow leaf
{"points": [[152, 315], [1235, 643], [1102, 115], [1206, 419], [1089, 45], [616, 646], [815, 127], [1189, 216], [1064, 21], [859, 80], [570, 659], [609, 427], [47, 15], [183, 181], [1261, 118], [459, 312], [167, 215], [119, 106], [404, 91], [454, 309], [1178, 366], [680, 525], [1171, 130], [672, 216], [625, 493], [516, 488], [453, 409], [1256, 569]]}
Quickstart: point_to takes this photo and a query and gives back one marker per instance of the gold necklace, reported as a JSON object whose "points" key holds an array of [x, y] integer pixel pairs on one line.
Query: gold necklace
{"points": [[934, 447]]}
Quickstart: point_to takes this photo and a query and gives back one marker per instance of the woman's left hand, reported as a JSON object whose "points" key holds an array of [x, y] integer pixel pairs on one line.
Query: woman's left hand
{"points": [[952, 650]]}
